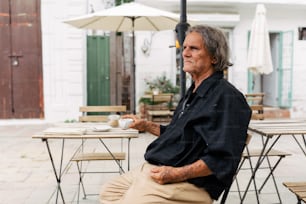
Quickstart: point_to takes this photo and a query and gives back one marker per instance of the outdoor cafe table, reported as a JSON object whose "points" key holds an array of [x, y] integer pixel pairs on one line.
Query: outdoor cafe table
{"points": [[271, 131], [80, 131]]}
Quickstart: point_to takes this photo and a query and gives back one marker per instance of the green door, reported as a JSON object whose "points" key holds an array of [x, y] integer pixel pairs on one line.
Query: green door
{"points": [[98, 70], [285, 70], [279, 83]]}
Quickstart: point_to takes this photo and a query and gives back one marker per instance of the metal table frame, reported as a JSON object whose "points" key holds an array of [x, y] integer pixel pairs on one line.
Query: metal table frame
{"points": [[115, 133], [271, 131]]}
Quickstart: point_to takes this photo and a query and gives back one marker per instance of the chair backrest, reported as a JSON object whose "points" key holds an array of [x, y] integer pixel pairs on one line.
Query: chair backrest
{"points": [[101, 113], [162, 98], [255, 101], [248, 139], [226, 191], [255, 98]]}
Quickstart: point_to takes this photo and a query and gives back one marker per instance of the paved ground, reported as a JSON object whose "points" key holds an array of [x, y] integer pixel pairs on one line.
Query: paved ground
{"points": [[26, 175]]}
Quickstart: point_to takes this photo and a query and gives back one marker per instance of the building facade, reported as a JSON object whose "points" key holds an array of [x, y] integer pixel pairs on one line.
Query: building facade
{"points": [[64, 59]]}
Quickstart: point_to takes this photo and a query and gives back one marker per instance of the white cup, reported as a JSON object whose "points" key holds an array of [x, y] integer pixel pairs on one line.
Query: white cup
{"points": [[124, 123]]}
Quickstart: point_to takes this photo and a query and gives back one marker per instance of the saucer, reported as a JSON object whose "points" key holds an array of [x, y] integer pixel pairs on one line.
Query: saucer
{"points": [[102, 128]]}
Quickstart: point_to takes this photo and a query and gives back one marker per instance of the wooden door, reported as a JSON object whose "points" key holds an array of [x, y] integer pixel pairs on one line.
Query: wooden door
{"points": [[98, 70], [21, 90]]}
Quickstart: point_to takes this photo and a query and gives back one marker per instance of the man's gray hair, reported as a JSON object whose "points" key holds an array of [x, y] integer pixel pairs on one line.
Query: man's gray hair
{"points": [[214, 40]]}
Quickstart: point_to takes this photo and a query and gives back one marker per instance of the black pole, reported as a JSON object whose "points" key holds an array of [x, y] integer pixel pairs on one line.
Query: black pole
{"points": [[181, 28], [133, 77]]}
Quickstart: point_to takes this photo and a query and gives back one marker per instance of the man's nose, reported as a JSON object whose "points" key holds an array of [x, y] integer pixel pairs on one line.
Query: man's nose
{"points": [[186, 52]]}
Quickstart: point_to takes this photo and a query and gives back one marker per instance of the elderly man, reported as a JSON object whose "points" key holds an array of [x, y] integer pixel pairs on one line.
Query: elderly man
{"points": [[195, 157]]}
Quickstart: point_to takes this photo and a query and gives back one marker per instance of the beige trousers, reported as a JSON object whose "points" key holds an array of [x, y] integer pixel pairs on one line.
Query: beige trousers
{"points": [[137, 187]]}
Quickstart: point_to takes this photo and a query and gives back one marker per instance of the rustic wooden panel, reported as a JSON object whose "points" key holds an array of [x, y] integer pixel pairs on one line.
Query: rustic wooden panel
{"points": [[116, 64], [26, 43], [5, 69], [24, 48]]}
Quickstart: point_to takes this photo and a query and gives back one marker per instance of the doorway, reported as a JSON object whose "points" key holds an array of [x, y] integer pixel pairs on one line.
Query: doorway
{"points": [[21, 81], [277, 85]]}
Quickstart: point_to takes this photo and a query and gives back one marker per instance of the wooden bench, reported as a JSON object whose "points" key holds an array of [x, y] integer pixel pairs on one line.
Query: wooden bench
{"points": [[160, 110], [299, 190], [255, 101], [160, 115]]}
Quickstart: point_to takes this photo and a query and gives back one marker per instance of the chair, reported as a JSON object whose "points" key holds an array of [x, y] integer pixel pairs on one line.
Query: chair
{"points": [[270, 166], [160, 111], [83, 156], [247, 155], [299, 190], [226, 191], [255, 101]]}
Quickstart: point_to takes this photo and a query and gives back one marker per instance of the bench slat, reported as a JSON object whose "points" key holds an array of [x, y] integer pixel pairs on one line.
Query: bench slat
{"points": [[298, 188], [290, 184]]}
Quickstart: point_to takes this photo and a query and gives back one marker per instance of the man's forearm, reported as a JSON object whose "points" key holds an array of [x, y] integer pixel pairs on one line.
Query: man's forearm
{"points": [[144, 125], [153, 128], [169, 174], [194, 170]]}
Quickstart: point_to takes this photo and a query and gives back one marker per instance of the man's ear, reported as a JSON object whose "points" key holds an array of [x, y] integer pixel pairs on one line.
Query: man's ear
{"points": [[214, 60]]}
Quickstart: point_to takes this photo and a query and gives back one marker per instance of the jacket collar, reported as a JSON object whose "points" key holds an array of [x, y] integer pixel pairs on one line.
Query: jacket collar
{"points": [[207, 83]]}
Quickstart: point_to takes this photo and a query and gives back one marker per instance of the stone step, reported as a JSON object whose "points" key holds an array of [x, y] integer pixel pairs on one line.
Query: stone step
{"points": [[272, 112]]}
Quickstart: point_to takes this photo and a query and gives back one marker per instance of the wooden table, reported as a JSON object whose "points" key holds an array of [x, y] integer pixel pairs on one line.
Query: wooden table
{"points": [[275, 129], [271, 131], [80, 131]]}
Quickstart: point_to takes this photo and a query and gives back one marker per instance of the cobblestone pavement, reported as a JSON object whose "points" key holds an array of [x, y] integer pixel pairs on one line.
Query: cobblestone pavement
{"points": [[26, 175]]}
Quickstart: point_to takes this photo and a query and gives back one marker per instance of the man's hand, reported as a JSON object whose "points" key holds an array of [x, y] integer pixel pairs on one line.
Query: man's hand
{"points": [[143, 125], [168, 174], [138, 124]]}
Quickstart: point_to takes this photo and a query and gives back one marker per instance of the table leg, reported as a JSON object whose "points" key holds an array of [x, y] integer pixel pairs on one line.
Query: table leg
{"points": [[58, 175], [129, 155], [273, 178], [110, 152], [302, 148]]}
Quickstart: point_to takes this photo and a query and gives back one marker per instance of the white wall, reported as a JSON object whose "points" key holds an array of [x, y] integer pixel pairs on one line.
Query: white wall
{"points": [[158, 61], [277, 22], [63, 59], [64, 56]]}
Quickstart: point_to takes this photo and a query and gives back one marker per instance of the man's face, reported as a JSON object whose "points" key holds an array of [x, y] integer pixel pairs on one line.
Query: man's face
{"points": [[197, 60]]}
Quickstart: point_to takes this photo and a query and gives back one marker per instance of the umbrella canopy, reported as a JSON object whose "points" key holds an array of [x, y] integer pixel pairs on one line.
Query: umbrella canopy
{"points": [[259, 53], [128, 17]]}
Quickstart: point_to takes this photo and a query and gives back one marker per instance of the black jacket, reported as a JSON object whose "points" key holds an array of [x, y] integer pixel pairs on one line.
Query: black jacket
{"points": [[211, 126]]}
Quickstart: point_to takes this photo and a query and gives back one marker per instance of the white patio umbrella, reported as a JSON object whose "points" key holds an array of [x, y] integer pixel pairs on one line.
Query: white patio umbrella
{"points": [[259, 53], [128, 17]]}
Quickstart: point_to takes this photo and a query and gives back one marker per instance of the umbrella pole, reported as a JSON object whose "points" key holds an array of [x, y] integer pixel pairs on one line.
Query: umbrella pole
{"points": [[133, 102], [133, 75], [181, 28]]}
